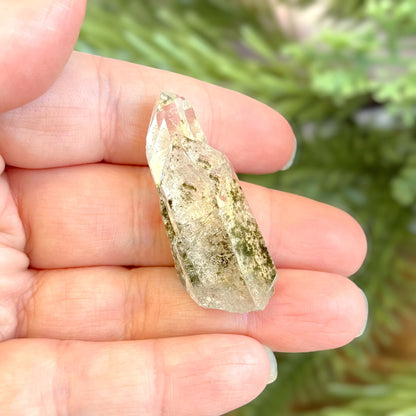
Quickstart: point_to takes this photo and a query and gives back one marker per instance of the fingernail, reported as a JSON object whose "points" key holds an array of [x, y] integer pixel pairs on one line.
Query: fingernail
{"points": [[366, 318], [273, 365], [292, 158]]}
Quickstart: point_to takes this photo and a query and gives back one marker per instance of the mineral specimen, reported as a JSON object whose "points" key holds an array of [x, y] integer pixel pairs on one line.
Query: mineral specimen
{"points": [[219, 253]]}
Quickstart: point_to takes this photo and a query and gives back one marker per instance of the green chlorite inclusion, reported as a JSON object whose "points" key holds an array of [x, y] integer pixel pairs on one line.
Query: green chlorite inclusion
{"points": [[219, 253]]}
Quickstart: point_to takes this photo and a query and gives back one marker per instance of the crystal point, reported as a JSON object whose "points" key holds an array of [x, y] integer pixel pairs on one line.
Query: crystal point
{"points": [[219, 253]]}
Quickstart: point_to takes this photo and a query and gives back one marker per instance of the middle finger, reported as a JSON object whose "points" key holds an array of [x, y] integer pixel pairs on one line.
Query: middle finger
{"points": [[102, 214]]}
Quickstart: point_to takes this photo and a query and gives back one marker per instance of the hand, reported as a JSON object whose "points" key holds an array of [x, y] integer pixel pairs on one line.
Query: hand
{"points": [[93, 319]]}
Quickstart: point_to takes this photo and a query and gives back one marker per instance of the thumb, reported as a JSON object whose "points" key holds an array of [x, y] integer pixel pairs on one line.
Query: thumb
{"points": [[36, 40]]}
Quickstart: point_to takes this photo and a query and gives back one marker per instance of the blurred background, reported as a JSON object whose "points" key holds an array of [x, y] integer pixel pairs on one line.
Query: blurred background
{"points": [[343, 73]]}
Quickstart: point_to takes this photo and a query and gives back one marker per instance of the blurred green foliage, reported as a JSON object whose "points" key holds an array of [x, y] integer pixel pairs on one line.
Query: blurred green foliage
{"points": [[350, 94]]}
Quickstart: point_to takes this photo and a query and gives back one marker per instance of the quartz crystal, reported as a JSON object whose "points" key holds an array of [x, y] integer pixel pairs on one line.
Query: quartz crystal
{"points": [[220, 255]]}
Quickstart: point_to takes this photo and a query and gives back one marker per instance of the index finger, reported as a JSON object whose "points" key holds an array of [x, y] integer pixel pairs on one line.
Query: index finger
{"points": [[99, 110]]}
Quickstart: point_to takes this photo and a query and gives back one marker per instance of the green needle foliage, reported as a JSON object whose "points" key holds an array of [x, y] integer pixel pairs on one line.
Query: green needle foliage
{"points": [[350, 94]]}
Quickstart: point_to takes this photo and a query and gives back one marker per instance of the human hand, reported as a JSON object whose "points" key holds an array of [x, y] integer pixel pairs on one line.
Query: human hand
{"points": [[93, 320]]}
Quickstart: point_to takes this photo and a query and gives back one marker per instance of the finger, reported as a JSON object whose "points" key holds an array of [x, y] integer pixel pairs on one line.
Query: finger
{"points": [[36, 38], [201, 375], [99, 109], [309, 310], [109, 215]]}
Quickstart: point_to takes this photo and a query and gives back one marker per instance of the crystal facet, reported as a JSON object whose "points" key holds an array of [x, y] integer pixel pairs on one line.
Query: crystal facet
{"points": [[219, 253]]}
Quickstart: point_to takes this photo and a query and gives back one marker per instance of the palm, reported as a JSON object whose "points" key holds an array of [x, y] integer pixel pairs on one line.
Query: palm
{"points": [[84, 256]]}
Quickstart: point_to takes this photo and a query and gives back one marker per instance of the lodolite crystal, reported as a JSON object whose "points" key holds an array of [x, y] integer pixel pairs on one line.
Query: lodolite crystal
{"points": [[219, 253]]}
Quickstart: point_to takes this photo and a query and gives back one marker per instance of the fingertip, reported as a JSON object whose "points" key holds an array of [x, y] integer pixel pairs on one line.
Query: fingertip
{"points": [[290, 162], [350, 305], [364, 300], [261, 364], [283, 144], [233, 369], [359, 240], [274, 141], [311, 311], [351, 244], [246, 369], [244, 364], [255, 137], [341, 244], [273, 365], [338, 307], [37, 38], [340, 311]]}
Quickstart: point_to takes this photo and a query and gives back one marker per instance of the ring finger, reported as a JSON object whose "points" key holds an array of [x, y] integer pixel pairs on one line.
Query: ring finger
{"points": [[309, 311]]}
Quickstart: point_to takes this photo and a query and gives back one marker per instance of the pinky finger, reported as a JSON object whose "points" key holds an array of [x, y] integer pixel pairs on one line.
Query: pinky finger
{"points": [[196, 375]]}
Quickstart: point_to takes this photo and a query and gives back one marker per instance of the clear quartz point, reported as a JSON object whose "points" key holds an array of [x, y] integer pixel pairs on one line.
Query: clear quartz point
{"points": [[219, 253]]}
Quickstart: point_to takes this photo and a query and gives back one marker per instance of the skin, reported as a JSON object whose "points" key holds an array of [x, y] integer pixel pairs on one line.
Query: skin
{"points": [[93, 319]]}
